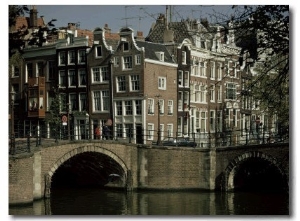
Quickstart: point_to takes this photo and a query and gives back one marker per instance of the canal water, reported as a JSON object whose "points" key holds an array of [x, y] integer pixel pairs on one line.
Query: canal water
{"points": [[93, 201]]}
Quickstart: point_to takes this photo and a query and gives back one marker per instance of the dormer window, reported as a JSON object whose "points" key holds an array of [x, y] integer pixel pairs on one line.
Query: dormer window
{"points": [[98, 51], [183, 57], [125, 46], [160, 55]]}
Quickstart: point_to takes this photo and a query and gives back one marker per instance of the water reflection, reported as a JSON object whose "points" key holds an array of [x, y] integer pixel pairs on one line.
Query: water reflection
{"points": [[117, 202]]}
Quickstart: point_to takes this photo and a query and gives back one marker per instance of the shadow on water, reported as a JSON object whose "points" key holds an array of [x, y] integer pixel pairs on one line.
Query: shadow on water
{"points": [[96, 201]]}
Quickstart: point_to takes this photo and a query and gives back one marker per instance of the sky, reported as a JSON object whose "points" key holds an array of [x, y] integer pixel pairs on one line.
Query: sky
{"points": [[138, 17]]}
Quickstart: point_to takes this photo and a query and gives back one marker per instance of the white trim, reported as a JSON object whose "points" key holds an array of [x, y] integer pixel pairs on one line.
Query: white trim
{"points": [[161, 63]]}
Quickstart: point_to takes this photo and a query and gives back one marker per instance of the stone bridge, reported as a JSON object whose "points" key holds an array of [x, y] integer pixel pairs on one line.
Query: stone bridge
{"points": [[131, 166]]}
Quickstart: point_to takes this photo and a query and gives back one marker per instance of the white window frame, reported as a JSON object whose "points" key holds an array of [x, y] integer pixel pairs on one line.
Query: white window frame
{"points": [[71, 57], [138, 110], [212, 93], [162, 106], [212, 123], [180, 78], [103, 96], [125, 43], [212, 70], [170, 107], [150, 106], [170, 130], [127, 62], [62, 60], [162, 83], [121, 80], [150, 131], [70, 75], [73, 102], [13, 70], [101, 73], [119, 104], [138, 59], [134, 82], [60, 79], [82, 56], [128, 106], [82, 97], [81, 77], [183, 57], [116, 61]]}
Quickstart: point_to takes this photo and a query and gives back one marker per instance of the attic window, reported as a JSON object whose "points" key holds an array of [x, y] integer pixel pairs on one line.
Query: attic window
{"points": [[160, 55], [125, 46]]}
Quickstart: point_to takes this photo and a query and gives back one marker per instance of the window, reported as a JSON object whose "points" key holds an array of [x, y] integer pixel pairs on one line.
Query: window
{"points": [[39, 69], [82, 103], [161, 106], [72, 78], [138, 59], [183, 54], [100, 74], [230, 91], [62, 58], [202, 93], [202, 69], [101, 100], [98, 51], [186, 78], [180, 100], [203, 120], [116, 61], [29, 68], [127, 62], [138, 107], [219, 74], [62, 79], [71, 57], [170, 107], [81, 56], [212, 70], [72, 101], [121, 84], [125, 46], [219, 93], [97, 101], [170, 130], [150, 131], [212, 121], [82, 77], [219, 120], [162, 83], [212, 93], [128, 107], [51, 70], [15, 71], [180, 78], [119, 108], [135, 82], [119, 132], [150, 106], [129, 130]]}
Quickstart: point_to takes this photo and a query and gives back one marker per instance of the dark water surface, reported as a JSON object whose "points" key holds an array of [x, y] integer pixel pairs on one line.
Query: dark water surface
{"points": [[92, 201]]}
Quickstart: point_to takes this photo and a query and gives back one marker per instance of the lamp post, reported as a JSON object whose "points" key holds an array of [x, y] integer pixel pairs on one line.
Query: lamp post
{"points": [[68, 119], [158, 121], [12, 132]]}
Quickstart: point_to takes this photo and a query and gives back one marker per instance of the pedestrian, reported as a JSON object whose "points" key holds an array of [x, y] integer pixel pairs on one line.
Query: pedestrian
{"points": [[106, 132], [97, 132]]}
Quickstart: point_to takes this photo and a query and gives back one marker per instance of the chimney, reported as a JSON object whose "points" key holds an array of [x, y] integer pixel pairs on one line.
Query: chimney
{"points": [[33, 17], [139, 36], [107, 29]]}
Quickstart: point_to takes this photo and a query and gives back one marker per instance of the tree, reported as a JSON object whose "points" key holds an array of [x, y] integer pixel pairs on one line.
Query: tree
{"points": [[54, 118], [263, 34], [19, 37]]}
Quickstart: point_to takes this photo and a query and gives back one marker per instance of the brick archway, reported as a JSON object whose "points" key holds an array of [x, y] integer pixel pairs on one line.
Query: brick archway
{"points": [[79, 150], [231, 169]]}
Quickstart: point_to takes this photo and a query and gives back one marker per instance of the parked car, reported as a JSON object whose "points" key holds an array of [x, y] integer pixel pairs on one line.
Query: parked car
{"points": [[180, 142]]}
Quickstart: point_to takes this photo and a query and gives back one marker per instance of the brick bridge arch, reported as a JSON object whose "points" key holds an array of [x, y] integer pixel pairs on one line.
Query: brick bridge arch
{"points": [[231, 169], [77, 151]]}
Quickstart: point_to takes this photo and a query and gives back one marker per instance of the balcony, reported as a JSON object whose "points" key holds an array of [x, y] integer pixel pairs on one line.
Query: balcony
{"points": [[36, 97]]}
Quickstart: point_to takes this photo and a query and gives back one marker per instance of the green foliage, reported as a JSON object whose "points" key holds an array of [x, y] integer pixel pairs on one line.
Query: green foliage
{"points": [[54, 119]]}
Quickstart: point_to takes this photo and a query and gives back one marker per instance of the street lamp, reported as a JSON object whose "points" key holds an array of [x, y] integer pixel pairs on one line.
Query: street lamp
{"points": [[12, 132], [158, 121]]}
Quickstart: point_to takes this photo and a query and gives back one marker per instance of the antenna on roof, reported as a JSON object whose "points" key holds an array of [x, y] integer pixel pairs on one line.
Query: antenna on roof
{"points": [[126, 18]]}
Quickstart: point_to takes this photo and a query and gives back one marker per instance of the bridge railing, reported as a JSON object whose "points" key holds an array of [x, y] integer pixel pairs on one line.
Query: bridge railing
{"points": [[30, 139]]}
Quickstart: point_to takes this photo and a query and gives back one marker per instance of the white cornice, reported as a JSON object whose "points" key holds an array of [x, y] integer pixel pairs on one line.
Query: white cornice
{"points": [[160, 63]]}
